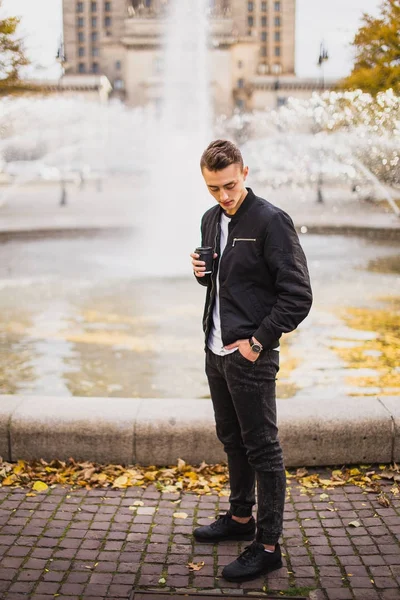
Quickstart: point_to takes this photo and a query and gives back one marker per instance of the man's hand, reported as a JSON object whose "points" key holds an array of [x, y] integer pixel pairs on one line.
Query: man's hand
{"points": [[199, 265], [243, 347]]}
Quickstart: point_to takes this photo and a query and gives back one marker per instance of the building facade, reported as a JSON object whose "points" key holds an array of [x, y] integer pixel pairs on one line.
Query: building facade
{"points": [[252, 48]]}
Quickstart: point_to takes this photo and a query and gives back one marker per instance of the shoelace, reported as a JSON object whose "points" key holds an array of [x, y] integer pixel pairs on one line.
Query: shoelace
{"points": [[221, 519], [249, 553]]}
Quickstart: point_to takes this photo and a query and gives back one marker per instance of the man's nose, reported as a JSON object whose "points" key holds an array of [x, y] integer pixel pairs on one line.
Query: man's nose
{"points": [[223, 195]]}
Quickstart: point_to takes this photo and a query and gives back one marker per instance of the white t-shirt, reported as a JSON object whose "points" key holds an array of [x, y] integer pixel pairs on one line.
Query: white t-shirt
{"points": [[214, 341]]}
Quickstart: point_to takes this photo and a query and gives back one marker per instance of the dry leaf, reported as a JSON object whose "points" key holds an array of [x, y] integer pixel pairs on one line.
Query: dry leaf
{"points": [[40, 486], [120, 481], [354, 524], [180, 515], [195, 566], [383, 500]]}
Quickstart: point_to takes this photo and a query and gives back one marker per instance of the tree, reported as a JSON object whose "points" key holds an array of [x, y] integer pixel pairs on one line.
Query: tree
{"points": [[12, 56], [377, 45]]}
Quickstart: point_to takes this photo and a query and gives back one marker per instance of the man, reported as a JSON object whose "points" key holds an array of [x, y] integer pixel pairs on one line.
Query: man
{"points": [[259, 289]]}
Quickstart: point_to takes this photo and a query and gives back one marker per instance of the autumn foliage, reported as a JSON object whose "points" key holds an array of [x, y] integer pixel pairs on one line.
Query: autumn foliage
{"points": [[377, 52]]}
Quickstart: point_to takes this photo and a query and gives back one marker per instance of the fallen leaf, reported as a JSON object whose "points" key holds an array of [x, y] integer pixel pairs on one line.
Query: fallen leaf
{"points": [[324, 496], [354, 524], [180, 515], [196, 566], [383, 500], [40, 486], [162, 580], [120, 481]]}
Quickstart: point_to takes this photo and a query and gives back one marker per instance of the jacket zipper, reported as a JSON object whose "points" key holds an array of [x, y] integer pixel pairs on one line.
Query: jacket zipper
{"points": [[243, 240]]}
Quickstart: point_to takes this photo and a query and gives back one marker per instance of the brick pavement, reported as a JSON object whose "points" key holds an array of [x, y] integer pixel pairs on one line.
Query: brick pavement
{"points": [[78, 544]]}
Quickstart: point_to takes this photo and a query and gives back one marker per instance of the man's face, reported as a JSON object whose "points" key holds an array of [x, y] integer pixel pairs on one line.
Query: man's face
{"points": [[227, 186]]}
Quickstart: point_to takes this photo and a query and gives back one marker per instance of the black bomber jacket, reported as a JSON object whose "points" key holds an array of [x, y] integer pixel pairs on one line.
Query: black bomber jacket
{"points": [[264, 282]]}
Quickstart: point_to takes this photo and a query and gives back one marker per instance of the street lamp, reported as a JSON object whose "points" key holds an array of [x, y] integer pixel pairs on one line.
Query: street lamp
{"points": [[62, 60], [323, 57]]}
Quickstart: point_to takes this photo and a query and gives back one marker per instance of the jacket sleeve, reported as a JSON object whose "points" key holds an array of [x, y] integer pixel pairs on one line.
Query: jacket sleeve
{"points": [[204, 281], [287, 263]]}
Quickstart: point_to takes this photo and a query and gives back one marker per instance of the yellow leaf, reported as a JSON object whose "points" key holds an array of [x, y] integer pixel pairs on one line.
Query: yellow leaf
{"points": [[138, 503], [326, 482], [40, 486], [354, 472], [9, 480], [323, 496], [120, 481], [150, 475], [19, 468], [162, 580], [30, 494], [180, 515]]}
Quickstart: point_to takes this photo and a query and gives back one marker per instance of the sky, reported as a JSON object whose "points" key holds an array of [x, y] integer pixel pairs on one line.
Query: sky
{"points": [[332, 21]]}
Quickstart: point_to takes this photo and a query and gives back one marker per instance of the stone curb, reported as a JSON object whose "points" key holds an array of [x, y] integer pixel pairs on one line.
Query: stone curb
{"points": [[157, 431]]}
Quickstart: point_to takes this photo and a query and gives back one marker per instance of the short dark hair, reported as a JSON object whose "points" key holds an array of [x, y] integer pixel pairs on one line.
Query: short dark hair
{"points": [[220, 154]]}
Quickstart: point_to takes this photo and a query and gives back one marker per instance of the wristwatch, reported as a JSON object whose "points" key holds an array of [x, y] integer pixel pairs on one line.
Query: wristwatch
{"points": [[255, 346]]}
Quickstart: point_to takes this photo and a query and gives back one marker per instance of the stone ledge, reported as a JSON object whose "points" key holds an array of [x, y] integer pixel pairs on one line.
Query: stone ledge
{"points": [[157, 431]]}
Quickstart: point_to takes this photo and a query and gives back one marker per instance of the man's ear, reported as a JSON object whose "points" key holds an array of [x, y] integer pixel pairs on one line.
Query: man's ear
{"points": [[245, 172]]}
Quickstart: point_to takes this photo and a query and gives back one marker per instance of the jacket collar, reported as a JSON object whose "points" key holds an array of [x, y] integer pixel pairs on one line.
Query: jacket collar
{"points": [[244, 207]]}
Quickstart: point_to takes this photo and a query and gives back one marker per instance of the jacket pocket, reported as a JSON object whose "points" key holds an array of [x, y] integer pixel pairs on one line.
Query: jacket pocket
{"points": [[243, 240]]}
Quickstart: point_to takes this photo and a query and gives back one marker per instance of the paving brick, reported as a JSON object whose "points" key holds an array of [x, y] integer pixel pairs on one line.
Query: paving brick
{"points": [[338, 593], [119, 591], [366, 594], [385, 583]]}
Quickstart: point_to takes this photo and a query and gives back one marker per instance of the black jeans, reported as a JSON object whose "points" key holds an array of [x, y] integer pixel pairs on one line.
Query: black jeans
{"points": [[244, 400]]}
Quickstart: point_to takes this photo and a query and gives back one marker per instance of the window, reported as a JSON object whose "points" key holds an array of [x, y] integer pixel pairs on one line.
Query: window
{"points": [[240, 104], [81, 52], [119, 84], [80, 21], [95, 67], [277, 21], [81, 67], [94, 22], [79, 7], [277, 36], [263, 21], [263, 51], [148, 3], [118, 65], [282, 101], [250, 21], [277, 6], [277, 50], [263, 36], [107, 22], [240, 64], [250, 6], [95, 36], [95, 51], [107, 6], [81, 37], [240, 83], [93, 7], [263, 7]]}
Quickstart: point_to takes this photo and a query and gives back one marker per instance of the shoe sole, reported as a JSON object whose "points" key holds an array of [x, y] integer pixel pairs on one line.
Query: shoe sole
{"points": [[255, 576], [238, 538]]}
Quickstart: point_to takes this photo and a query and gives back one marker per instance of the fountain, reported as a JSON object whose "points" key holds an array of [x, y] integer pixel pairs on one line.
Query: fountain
{"points": [[119, 315]]}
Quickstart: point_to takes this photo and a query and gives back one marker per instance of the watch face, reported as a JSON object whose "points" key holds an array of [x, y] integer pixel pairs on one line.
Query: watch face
{"points": [[256, 348]]}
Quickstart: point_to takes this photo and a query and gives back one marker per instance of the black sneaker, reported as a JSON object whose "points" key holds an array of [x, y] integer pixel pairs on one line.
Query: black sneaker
{"points": [[252, 563], [225, 528]]}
